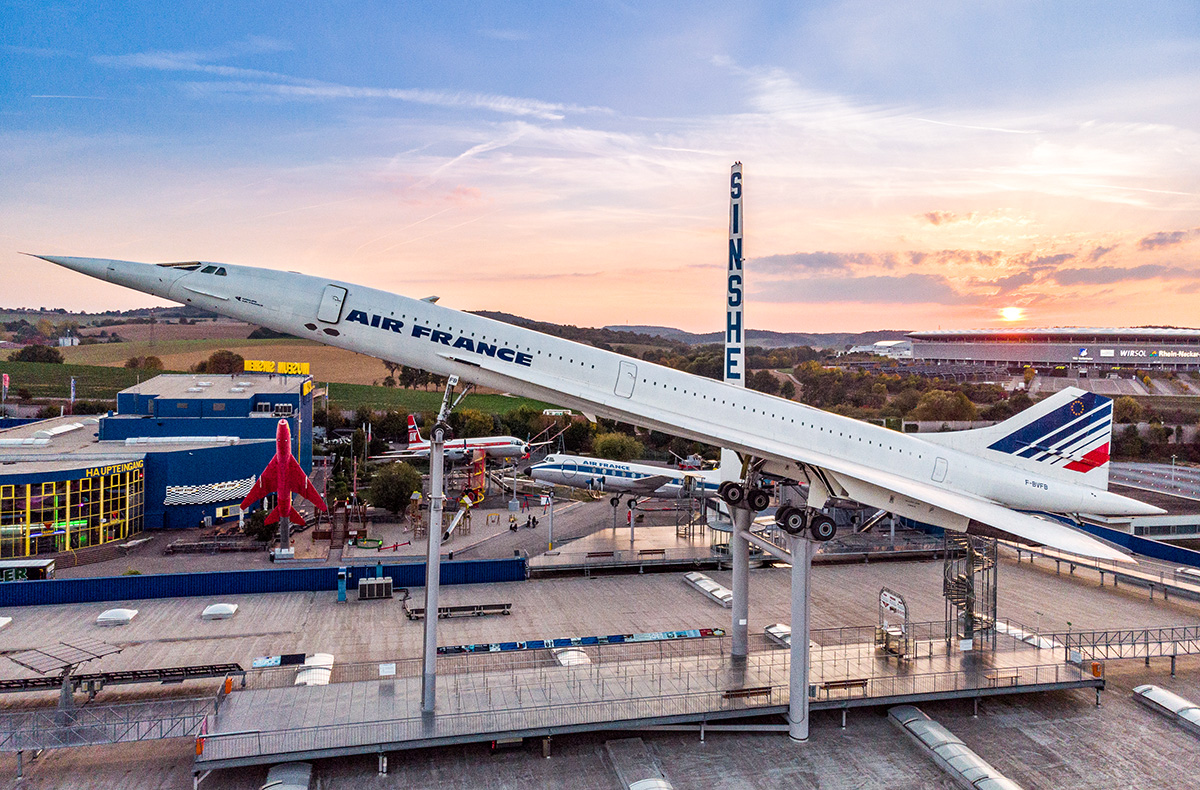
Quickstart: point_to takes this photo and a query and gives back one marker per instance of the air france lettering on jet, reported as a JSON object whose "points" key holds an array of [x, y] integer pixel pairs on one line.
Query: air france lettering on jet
{"points": [[438, 336]]}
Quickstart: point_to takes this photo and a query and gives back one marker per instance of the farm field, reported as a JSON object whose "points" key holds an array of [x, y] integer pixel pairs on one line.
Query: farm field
{"points": [[204, 330], [352, 396], [45, 380], [328, 363]]}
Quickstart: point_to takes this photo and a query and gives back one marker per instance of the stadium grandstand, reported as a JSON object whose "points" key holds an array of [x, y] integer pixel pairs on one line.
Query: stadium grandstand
{"points": [[1080, 350]]}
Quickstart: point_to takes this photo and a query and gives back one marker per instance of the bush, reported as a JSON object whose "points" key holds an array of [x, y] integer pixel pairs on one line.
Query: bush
{"points": [[37, 353], [220, 362], [1127, 410], [256, 526]]}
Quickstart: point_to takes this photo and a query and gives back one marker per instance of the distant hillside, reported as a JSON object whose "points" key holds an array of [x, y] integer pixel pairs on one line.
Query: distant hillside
{"points": [[604, 337], [767, 339], [667, 336]]}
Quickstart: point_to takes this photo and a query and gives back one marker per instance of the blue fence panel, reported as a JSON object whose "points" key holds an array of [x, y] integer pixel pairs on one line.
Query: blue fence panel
{"points": [[186, 585]]}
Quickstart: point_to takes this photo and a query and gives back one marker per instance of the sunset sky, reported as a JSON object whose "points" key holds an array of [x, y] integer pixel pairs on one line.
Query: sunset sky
{"points": [[907, 164]]}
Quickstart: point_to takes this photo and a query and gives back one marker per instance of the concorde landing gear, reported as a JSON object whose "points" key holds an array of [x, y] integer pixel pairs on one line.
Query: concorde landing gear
{"points": [[792, 520], [738, 495]]}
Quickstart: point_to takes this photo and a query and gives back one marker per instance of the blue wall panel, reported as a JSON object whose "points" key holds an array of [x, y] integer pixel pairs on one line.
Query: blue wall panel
{"points": [[186, 585]]}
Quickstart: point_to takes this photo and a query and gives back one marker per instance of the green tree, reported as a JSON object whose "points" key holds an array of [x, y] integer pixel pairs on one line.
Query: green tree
{"points": [[393, 486], [945, 406], [788, 390], [579, 437], [1127, 410], [469, 423], [37, 353], [617, 447], [393, 425]]}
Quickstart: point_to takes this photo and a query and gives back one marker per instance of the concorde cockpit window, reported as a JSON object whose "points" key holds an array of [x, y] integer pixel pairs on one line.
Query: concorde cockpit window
{"points": [[208, 270], [221, 271]]}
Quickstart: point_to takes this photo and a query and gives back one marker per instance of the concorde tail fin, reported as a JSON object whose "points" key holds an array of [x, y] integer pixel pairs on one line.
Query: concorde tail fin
{"points": [[1066, 436]]}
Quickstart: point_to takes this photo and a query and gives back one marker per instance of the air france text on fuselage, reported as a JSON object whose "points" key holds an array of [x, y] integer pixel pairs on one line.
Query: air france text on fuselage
{"points": [[444, 338]]}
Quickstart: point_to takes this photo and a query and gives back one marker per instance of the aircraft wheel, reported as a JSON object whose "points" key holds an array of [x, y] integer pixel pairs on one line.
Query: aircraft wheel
{"points": [[442, 433], [615, 501], [791, 520], [724, 487], [758, 500], [822, 528], [735, 494]]}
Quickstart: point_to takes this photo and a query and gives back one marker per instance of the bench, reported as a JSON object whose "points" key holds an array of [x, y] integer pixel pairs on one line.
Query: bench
{"points": [[469, 610], [744, 693], [847, 684], [653, 553], [1002, 677], [592, 555]]}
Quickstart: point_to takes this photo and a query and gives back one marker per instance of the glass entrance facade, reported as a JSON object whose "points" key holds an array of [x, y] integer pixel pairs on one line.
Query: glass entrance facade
{"points": [[99, 507]]}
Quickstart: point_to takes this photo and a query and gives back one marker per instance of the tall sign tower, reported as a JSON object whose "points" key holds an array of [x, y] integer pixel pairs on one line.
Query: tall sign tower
{"points": [[735, 287]]}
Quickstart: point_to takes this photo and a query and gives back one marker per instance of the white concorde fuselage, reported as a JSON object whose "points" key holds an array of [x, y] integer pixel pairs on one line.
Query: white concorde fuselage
{"points": [[901, 473]]}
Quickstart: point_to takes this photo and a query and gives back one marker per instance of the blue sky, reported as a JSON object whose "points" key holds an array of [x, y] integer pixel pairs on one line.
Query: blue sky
{"points": [[907, 164]]}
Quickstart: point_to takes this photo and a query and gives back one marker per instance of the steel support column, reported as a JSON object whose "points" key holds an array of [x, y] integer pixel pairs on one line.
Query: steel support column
{"points": [[739, 553], [433, 559], [802, 552]]}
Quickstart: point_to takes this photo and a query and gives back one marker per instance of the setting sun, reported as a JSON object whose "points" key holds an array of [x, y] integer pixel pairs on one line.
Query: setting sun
{"points": [[1012, 313]]}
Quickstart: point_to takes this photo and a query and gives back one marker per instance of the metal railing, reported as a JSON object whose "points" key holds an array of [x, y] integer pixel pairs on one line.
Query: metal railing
{"points": [[837, 644], [587, 696], [1165, 579], [50, 728], [1162, 641]]}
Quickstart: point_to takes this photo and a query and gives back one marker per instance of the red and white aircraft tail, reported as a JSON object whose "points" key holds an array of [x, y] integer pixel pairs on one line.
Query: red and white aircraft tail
{"points": [[414, 433]]}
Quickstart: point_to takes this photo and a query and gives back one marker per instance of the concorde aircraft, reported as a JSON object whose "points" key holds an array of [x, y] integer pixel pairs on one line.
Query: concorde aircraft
{"points": [[1053, 457], [620, 477]]}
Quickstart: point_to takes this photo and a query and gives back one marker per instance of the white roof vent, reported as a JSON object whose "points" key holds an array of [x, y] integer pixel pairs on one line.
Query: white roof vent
{"points": [[113, 617], [237, 389], [195, 389], [58, 430], [245, 384], [4, 621], [317, 669], [219, 611], [28, 442], [203, 383]]}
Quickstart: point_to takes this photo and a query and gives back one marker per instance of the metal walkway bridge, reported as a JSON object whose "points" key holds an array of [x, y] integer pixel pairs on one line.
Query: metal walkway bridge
{"points": [[484, 696]]}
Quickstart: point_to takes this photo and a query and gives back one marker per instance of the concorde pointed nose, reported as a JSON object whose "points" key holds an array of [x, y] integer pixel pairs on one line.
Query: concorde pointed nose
{"points": [[96, 267]]}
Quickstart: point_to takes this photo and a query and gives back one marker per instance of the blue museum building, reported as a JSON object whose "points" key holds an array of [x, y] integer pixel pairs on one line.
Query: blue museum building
{"points": [[179, 448]]}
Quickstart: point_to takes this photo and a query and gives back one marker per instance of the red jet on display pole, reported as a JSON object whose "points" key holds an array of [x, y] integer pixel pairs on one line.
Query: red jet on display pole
{"points": [[283, 476]]}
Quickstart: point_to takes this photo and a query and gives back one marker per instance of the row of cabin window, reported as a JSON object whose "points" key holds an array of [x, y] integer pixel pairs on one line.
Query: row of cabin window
{"points": [[755, 411], [676, 389]]}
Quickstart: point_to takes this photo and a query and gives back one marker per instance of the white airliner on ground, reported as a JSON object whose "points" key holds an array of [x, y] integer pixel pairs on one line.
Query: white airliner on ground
{"points": [[1052, 457], [458, 449], [619, 477]]}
